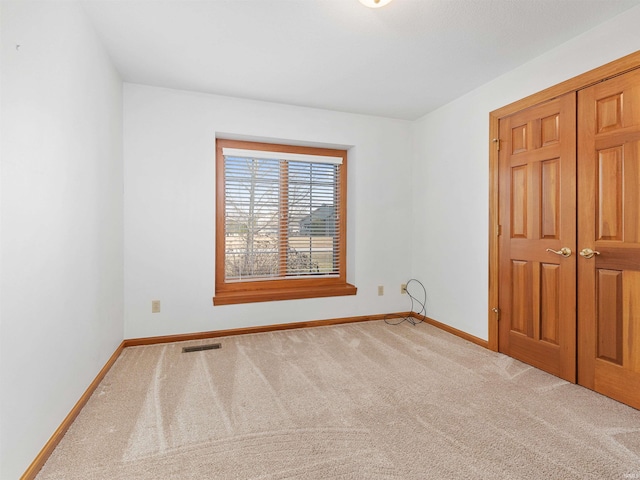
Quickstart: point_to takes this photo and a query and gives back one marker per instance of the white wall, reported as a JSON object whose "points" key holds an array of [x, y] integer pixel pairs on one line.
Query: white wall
{"points": [[1, 329], [451, 172], [169, 148], [61, 199]]}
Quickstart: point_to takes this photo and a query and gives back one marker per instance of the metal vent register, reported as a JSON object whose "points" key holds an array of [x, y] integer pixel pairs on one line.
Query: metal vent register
{"points": [[200, 348]]}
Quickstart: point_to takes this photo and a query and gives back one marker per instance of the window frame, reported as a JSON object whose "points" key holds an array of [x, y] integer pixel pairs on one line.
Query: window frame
{"points": [[250, 291]]}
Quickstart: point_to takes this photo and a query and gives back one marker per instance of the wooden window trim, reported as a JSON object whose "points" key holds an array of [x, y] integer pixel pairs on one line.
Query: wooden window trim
{"points": [[282, 288]]}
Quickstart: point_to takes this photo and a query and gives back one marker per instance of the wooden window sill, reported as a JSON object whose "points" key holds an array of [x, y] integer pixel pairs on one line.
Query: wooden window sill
{"points": [[291, 293]]}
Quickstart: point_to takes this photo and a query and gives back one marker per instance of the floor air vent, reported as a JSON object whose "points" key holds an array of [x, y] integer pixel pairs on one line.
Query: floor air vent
{"points": [[200, 348]]}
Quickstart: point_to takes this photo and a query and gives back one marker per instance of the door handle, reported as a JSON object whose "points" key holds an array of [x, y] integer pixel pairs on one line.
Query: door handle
{"points": [[588, 253], [564, 251]]}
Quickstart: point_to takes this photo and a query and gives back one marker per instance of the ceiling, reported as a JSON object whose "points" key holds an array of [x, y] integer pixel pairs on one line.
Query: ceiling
{"points": [[400, 61]]}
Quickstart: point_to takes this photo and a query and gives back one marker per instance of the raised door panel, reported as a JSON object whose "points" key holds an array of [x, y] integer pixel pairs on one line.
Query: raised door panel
{"points": [[522, 314], [519, 201], [550, 303], [609, 193], [609, 323], [550, 199], [550, 130]]}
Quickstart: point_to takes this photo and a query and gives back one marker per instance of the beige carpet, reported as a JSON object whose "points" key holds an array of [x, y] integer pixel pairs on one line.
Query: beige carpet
{"points": [[358, 401]]}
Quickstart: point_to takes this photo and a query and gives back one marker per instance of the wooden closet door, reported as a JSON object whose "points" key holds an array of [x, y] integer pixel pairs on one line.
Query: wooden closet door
{"points": [[609, 224], [537, 198]]}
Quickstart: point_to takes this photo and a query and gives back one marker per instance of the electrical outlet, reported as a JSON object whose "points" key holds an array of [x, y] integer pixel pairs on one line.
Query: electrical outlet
{"points": [[155, 306], [403, 288], [380, 290]]}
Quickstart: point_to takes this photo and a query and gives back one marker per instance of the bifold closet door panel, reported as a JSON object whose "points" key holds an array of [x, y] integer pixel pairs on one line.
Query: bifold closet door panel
{"points": [[537, 246], [609, 238]]}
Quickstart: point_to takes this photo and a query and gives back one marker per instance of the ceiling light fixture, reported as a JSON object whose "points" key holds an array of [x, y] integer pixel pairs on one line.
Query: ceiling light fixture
{"points": [[375, 3]]}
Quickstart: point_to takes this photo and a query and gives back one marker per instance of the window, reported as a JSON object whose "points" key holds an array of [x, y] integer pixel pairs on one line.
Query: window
{"points": [[280, 222]]}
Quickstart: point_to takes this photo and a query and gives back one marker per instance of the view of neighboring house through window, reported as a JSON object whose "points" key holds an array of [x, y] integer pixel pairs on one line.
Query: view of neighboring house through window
{"points": [[281, 222]]}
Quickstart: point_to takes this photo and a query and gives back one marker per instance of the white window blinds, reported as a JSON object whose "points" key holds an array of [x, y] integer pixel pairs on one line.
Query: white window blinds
{"points": [[282, 215]]}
